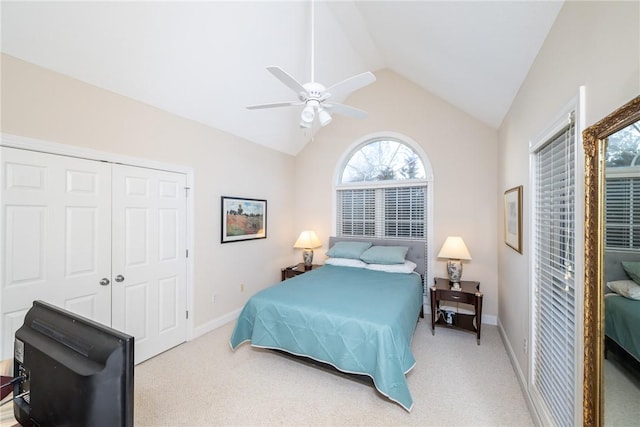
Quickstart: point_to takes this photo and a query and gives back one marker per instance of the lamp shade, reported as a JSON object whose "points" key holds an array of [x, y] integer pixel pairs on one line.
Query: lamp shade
{"points": [[307, 240], [454, 248]]}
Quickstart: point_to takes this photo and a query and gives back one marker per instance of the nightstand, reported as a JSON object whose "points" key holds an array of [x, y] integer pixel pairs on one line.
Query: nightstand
{"points": [[468, 294], [294, 270]]}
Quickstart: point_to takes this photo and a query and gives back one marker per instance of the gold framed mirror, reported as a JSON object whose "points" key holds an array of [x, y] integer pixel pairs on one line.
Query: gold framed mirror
{"points": [[595, 142]]}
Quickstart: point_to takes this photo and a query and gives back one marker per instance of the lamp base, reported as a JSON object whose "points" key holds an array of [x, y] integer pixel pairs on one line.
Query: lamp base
{"points": [[307, 257], [454, 270]]}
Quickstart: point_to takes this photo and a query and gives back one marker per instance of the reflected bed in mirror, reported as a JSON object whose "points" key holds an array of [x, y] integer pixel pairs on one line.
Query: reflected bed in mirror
{"points": [[604, 255]]}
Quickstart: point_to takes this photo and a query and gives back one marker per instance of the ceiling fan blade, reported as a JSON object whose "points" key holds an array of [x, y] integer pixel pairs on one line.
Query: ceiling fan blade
{"points": [[288, 81], [351, 84], [274, 105], [345, 110]]}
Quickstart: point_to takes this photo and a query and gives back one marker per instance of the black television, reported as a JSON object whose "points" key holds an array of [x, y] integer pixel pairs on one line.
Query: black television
{"points": [[71, 371]]}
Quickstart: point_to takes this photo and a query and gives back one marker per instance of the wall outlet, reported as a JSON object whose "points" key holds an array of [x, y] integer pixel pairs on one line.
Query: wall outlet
{"points": [[526, 346], [213, 297], [241, 287]]}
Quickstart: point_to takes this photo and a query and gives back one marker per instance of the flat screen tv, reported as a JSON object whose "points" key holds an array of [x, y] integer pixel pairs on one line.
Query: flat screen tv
{"points": [[72, 371]]}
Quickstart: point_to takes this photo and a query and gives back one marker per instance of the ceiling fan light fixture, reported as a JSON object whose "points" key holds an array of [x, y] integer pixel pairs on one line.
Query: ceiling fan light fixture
{"points": [[308, 114], [324, 117], [304, 125]]}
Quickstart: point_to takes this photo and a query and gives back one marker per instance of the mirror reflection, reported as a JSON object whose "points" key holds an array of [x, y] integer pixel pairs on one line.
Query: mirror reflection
{"points": [[622, 277]]}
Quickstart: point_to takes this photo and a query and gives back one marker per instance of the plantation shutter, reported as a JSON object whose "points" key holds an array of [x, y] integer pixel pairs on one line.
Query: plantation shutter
{"points": [[382, 212], [554, 335], [356, 212], [404, 212], [622, 213]]}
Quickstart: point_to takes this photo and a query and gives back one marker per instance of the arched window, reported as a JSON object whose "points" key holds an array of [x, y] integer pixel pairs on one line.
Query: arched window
{"points": [[383, 160], [381, 191]]}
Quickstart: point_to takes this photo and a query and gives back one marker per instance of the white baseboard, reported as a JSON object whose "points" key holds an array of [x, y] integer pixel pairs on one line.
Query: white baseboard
{"points": [[489, 320], [215, 324], [522, 379]]}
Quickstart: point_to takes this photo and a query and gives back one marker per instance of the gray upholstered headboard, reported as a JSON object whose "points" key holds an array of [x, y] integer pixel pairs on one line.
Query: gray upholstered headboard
{"points": [[416, 252], [613, 264]]}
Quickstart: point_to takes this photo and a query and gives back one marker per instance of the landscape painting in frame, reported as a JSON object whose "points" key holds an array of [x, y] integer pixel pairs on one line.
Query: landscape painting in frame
{"points": [[513, 218], [243, 219]]}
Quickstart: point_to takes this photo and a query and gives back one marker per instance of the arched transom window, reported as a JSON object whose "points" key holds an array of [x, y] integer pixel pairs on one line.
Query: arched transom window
{"points": [[383, 160], [382, 191]]}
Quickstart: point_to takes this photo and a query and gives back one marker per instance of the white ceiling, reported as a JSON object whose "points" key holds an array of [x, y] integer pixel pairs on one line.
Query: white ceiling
{"points": [[206, 60]]}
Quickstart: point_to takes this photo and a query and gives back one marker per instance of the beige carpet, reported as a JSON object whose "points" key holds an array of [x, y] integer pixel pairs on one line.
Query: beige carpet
{"points": [[203, 383], [621, 394]]}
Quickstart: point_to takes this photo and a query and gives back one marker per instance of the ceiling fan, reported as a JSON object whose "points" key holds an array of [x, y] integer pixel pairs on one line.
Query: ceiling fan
{"points": [[316, 98]]}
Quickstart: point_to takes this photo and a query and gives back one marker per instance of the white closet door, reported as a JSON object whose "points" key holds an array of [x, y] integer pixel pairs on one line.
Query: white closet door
{"points": [[149, 258], [56, 237]]}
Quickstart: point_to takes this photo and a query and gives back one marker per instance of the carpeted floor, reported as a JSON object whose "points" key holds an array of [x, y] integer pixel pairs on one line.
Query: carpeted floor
{"points": [[621, 394], [203, 383]]}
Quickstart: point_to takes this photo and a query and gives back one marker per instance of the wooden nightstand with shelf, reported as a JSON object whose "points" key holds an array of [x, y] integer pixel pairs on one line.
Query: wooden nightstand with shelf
{"points": [[468, 294], [294, 270]]}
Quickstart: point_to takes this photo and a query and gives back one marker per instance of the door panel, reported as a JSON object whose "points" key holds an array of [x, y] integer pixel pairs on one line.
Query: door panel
{"points": [[56, 236], [149, 229], [24, 243]]}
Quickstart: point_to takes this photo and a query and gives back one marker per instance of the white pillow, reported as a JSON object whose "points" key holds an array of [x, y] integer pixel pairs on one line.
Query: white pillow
{"points": [[626, 288], [346, 262], [407, 267]]}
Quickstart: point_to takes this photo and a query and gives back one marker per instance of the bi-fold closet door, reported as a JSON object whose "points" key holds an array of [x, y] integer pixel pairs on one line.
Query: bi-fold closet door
{"points": [[106, 241]]}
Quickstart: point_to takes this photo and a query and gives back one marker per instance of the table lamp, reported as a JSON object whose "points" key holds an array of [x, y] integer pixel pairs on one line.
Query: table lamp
{"points": [[455, 250], [307, 241]]}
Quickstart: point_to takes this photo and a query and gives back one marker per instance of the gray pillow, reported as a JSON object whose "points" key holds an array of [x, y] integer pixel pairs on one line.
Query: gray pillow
{"points": [[351, 250], [632, 269], [385, 255]]}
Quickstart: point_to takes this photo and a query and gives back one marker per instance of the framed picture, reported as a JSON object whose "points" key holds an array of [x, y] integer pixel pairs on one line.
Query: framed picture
{"points": [[513, 218], [243, 219]]}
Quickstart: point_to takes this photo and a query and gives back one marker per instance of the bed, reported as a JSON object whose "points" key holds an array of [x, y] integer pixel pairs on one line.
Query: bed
{"points": [[358, 320], [622, 305], [622, 317]]}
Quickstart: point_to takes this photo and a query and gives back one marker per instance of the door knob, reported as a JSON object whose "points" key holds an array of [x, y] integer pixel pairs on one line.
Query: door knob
{"points": [[104, 281], [119, 278]]}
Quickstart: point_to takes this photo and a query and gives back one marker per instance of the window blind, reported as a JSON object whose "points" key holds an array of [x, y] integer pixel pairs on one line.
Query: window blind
{"points": [[622, 213], [382, 212], [554, 335], [356, 212]]}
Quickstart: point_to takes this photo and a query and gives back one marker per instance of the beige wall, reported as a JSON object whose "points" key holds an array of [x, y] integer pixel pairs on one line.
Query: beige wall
{"points": [[595, 44], [592, 43], [41, 104], [461, 150]]}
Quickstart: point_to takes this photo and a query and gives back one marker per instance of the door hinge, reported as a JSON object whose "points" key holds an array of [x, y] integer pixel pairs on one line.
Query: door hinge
{"points": [[187, 314], [186, 191], [187, 253]]}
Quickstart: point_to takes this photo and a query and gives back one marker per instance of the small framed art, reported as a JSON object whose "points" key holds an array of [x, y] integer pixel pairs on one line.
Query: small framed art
{"points": [[243, 219], [513, 218]]}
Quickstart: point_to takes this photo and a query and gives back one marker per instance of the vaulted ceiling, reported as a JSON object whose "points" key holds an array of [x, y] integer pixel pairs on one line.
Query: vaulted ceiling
{"points": [[207, 61]]}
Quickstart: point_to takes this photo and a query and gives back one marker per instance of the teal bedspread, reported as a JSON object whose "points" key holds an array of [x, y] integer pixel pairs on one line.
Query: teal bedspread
{"points": [[360, 321], [622, 317]]}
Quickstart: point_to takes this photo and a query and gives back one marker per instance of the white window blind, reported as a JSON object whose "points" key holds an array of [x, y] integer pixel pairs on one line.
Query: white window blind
{"points": [[622, 213], [356, 212], [382, 212], [554, 335]]}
